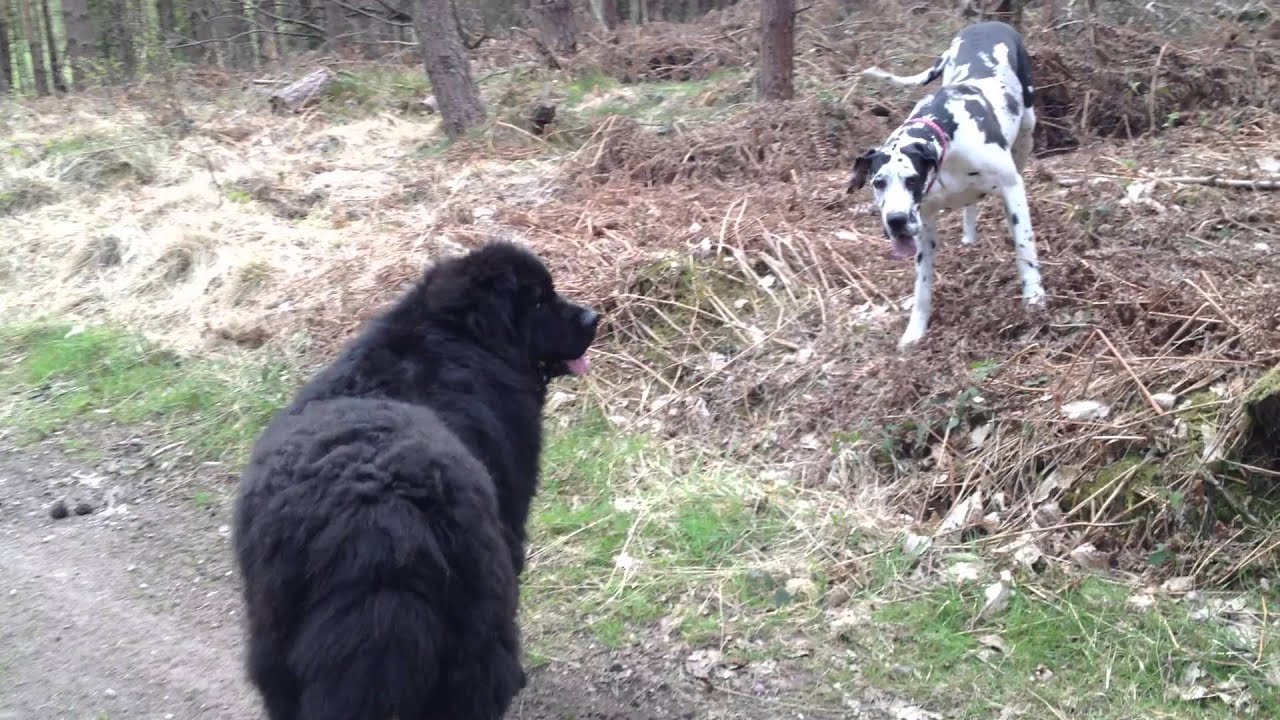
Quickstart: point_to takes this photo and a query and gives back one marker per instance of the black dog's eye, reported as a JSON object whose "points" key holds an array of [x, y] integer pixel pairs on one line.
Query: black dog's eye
{"points": [[878, 183], [912, 183]]}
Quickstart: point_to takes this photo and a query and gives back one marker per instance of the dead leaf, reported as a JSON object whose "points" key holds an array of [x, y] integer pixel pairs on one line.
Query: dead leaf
{"points": [[995, 642], [700, 663], [963, 515], [997, 599], [1085, 410], [1089, 557], [1178, 585]]}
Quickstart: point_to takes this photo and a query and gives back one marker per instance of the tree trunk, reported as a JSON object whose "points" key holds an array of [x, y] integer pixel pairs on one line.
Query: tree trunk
{"points": [[6, 52], [268, 42], [336, 26], [1009, 11], [55, 64], [168, 19], [607, 13], [124, 25], [777, 49], [31, 33], [448, 67], [654, 10], [78, 25], [557, 26]]}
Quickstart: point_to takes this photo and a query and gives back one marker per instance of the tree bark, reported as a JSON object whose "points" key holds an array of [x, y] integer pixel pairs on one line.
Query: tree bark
{"points": [[654, 10], [124, 24], [448, 67], [78, 24], [268, 42], [1009, 11], [55, 64], [6, 52], [777, 49], [31, 33], [336, 26], [557, 26], [607, 13]]}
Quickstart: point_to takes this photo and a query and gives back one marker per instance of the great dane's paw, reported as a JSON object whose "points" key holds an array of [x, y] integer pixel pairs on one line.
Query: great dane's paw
{"points": [[908, 342], [1035, 299]]}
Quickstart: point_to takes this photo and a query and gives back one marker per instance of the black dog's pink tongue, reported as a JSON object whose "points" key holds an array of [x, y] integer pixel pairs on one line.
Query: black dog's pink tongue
{"points": [[903, 248], [578, 366]]}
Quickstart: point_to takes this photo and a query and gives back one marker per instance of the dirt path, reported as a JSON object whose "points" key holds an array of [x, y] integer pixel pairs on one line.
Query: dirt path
{"points": [[133, 611]]}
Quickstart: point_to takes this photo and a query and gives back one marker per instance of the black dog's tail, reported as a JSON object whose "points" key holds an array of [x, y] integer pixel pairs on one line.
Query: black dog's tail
{"points": [[920, 79], [367, 657]]}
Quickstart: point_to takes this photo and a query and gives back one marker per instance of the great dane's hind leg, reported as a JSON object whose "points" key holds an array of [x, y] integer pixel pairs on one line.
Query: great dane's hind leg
{"points": [[970, 224], [926, 250], [1018, 211], [1023, 143]]}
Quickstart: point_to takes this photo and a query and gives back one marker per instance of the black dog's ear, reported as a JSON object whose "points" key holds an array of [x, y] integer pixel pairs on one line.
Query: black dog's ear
{"points": [[861, 168]]}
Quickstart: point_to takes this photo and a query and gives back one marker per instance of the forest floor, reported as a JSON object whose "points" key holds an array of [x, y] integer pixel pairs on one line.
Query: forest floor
{"points": [[754, 507]]}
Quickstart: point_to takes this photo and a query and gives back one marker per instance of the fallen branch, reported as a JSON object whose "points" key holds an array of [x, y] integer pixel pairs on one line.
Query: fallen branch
{"points": [[1267, 183], [295, 96], [1270, 183]]}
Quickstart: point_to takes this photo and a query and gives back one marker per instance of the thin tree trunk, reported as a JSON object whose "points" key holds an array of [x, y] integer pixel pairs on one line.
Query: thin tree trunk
{"points": [[337, 28], [125, 24], [168, 19], [31, 32], [607, 13], [557, 26], [55, 64], [1009, 11], [6, 52], [777, 49], [78, 25], [268, 41], [448, 67], [654, 10]]}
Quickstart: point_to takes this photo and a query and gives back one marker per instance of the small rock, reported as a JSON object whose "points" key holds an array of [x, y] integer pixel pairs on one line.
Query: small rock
{"points": [[84, 508], [110, 693], [1178, 585], [1089, 557], [1165, 400], [59, 510]]}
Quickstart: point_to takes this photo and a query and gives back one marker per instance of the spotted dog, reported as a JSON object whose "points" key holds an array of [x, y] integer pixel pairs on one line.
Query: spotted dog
{"points": [[970, 138]]}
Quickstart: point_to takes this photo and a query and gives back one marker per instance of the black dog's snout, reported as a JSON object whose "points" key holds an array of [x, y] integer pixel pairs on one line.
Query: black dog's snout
{"points": [[897, 222], [589, 318]]}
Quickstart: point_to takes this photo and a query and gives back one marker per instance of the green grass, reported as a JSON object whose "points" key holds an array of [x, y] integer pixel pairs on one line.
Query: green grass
{"points": [[624, 532], [376, 88], [52, 376], [1078, 649]]}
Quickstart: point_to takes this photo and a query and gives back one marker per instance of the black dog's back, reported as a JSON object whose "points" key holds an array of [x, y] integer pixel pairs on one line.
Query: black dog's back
{"points": [[378, 582]]}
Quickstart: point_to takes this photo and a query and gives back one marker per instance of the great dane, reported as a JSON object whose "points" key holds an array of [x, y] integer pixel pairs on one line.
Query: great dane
{"points": [[970, 138]]}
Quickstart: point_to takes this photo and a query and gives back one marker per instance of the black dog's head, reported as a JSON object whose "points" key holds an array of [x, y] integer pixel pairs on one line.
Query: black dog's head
{"points": [[502, 297]]}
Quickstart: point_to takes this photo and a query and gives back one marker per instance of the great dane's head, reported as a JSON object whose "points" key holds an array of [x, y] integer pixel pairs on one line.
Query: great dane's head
{"points": [[900, 174]]}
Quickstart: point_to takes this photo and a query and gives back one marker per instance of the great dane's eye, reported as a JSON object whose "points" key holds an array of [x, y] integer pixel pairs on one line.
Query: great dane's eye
{"points": [[878, 183]]}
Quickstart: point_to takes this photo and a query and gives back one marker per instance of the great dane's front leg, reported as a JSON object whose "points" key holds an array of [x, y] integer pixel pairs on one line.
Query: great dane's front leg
{"points": [[926, 250], [1018, 212], [970, 224]]}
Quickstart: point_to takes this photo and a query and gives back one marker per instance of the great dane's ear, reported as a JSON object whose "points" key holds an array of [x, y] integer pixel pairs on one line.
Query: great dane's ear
{"points": [[861, 168]]}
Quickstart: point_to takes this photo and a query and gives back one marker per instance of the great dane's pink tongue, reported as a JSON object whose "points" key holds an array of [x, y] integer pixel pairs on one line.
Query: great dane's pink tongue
{"points": [[903, 248], [578, 366]]}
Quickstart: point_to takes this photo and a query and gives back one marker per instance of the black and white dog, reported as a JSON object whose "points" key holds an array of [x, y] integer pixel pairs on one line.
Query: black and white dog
{"points": [[970, 138]]}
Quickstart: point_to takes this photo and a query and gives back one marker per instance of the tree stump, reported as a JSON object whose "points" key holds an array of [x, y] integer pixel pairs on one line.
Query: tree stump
{"points": [[292, 98]]}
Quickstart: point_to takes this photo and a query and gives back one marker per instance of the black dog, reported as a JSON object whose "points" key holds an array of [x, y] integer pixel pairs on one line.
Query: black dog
{"points": [[380, 523]]}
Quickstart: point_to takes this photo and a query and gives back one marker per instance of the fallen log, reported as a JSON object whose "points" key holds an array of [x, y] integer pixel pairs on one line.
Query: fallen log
{"points": [[299, 94]]}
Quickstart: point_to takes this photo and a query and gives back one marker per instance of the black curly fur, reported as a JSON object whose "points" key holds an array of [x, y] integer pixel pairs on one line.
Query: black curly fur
{"points": [[380, 523]]}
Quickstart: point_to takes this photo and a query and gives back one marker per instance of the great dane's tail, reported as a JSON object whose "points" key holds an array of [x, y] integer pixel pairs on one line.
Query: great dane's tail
{"points": [[920, 79]]}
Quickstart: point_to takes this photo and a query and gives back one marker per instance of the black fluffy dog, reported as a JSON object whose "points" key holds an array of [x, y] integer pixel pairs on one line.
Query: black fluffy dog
{"points": [[380, 524]]}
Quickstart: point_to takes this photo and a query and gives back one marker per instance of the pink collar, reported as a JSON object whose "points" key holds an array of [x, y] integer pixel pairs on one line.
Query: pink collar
{"points": [[942, 144]]}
